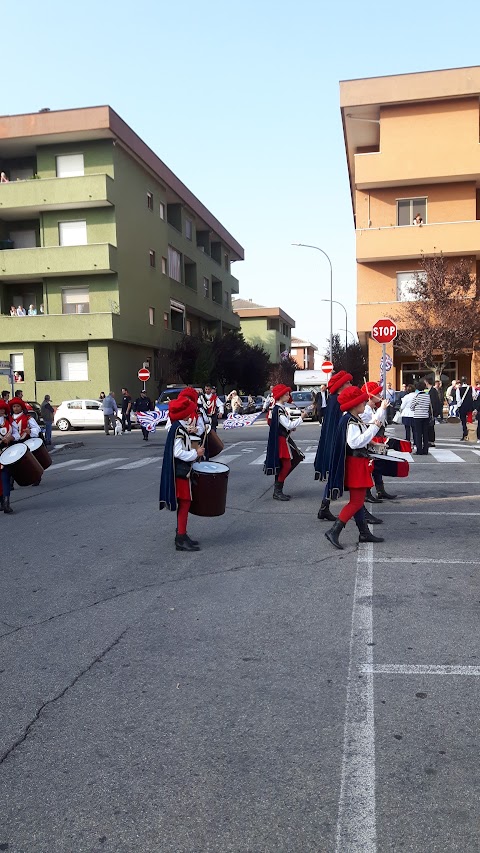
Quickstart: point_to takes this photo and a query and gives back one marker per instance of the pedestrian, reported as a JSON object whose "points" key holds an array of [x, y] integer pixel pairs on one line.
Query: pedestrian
{"points": [[143, 403], [8, 434], [390, 397], [283, 454], [214, 406], [435, 411], [5, 395], [48, 415], [452, 398], [351, 469], [101, 396], [407, 412], [110, 410], [126, 409], [235, 402], [464, 399], [178, 458], [421, 408], [441, 397], [321, 403]]}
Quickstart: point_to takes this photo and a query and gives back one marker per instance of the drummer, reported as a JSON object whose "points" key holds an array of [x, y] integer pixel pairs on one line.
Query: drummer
{"points": [[178, 458], [8, 434], [283, 454], [374, 411], [26, 424]]}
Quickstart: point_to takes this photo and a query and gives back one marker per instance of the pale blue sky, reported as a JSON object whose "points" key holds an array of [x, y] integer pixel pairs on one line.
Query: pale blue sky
{"points": [[241, 100]]}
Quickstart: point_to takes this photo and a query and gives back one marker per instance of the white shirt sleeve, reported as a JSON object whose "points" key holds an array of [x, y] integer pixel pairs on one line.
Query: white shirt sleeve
{"points": [[287, 422], [34, 428], [220, 406], [179, 452], [357, 438]]}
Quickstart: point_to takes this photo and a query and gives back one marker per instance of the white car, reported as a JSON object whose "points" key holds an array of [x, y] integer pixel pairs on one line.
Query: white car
{"points": [[79, 413]]}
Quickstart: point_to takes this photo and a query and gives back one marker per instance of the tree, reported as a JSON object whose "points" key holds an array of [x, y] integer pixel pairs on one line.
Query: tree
{"points": [[284, 372], [227, 353], [184, 358], [350, 358], [254, 369], [443, 319]]}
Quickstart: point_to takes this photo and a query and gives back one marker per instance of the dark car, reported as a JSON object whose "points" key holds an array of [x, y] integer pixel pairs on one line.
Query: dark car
{"points": [[35, 410]]}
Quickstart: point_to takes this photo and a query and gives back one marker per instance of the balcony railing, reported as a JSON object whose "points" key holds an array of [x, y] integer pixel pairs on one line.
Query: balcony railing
{"points": [[34, 196], [410, 242], [57, 260], [57, 327]]}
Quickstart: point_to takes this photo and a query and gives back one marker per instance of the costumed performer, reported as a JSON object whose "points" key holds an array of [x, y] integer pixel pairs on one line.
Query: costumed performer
{"points": [[178, 458], [8, 434], [372, 412], [283, 454], [214, 406], [350, 466], [26, 424]]}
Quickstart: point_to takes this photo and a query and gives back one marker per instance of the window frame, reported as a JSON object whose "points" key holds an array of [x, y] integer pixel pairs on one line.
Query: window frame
{"points": [[188, 228], [78, 352], [411, 199], [70, 289], [71, 222], [164, 265], [150, 201], [206, 288], [77, 174], [162, 210], [411, 273], [172, 249], [151, 316], [152, 258]]}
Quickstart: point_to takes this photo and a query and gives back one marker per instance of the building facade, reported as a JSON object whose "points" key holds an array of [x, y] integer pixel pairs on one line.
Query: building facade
{"points": [[304, 353], [114, 257], [268, 327], [412, 144]]}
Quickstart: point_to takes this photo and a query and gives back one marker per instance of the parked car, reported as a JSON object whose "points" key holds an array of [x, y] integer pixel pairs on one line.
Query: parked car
{"points": [[78, 414], [302, 401], [170, 394]]}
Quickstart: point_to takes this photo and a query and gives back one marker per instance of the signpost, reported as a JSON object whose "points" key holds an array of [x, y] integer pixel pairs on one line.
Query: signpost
{"points": [[327, 366], [6, 370], [384, 331], [144, 376]]}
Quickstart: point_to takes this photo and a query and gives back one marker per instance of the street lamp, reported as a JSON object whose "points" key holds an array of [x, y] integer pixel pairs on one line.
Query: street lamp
{"points": [[346, 318], [308, 246]]}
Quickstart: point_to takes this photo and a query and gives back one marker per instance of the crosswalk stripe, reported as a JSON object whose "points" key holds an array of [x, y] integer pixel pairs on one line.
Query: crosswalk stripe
{"points": [[259, 461], [57, 465], [100, 463], [445, 455], [226, 458], [309, 459], [138, 464]]}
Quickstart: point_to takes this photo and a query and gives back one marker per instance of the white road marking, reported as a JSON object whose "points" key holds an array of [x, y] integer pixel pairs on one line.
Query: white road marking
{"points": [[424, 512], [410, 669], [414, 482], [57, 465], [444, 455], [415, 560], [356, 826], [259, 461], [56, 447], [100, 463], [138, 464], [226, 458]]}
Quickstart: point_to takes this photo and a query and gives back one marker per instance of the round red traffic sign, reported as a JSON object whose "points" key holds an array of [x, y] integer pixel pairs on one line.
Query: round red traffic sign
{"points": [[144, 374], [384, 331], [327, 366]]}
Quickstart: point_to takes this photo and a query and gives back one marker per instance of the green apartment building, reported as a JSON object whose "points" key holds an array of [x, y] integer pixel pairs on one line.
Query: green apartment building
{"points": [[114, 257], [269, 327]]}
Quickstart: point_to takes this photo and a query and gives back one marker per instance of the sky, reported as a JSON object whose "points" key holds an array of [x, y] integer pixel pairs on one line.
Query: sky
{"points": [[241, 100]]}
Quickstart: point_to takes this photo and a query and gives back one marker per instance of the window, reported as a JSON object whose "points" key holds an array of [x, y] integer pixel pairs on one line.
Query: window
{"points": [[164, 266], [25, 238], [188, 327], [206, 287], [150, 201], [226, 299], [413, 371], [405, 284], [165, 320], [407, 209], [16, 360], [75, 300], [188, 229], [74, 404], [152, 257], [94, 405], [177, 316], [174, 264], [70, 165], [73, 366], [162, 210], [73, 233], [226, 261], [151, 316]]}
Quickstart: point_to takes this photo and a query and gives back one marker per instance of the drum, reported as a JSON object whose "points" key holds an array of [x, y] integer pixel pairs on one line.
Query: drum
{"points": [[209, 488], [215, 444], [399, 444], [388, 466], [37, 447], [24, 468]]}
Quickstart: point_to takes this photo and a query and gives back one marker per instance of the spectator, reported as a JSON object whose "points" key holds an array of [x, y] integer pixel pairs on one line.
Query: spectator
{"points": [[407, 412], [418, 220], [435, 411], [41, 308], [390, 397], [143, 404], [421, 407], [5, 395], [13, 311], [321, 403], [110, 410], [126, 409], [235, 403], [3, 178], [21, 311], [101, 397], [452, 398], [32, 311], [47, 415], [441, 397]]}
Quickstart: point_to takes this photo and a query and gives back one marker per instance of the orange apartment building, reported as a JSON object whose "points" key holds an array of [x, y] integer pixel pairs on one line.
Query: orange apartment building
{"points": [[413, 146]]}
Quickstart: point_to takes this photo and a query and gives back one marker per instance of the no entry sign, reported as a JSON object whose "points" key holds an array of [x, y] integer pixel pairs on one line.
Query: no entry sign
{"points": [[144, 374], [327, 366], [384, 331]]}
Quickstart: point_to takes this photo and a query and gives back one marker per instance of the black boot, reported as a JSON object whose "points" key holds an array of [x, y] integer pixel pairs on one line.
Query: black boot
{"points": [[370, 497], [382, 494], [278, 493], [324, 513], [192, 541], [334, 532], [365, 535], [6, 506], [183, 543], [371, 519]]}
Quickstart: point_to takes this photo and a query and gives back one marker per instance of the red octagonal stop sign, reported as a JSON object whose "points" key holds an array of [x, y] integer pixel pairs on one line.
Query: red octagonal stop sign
{"points": [[384, 331]]}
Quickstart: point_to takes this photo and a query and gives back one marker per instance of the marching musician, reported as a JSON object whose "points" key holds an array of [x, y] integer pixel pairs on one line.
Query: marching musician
{"points": [[350, 467], [214, 406], [8, 434], [26, 424], [178, 458], [143, 404], [374, 411], [283, 454]]}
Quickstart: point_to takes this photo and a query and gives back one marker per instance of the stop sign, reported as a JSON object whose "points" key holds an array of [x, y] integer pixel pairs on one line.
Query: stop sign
{"points": [[327, 366], [384, 331], [144, 374]]}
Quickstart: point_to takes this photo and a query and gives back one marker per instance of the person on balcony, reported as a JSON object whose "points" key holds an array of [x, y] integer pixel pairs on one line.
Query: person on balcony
{"points": [[21, 311], [418, 220], [3, 178], [32, 311], [13, 311]]}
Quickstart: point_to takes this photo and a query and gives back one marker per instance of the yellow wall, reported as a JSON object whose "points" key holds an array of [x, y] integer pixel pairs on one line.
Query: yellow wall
{"points": [[452, 202]]}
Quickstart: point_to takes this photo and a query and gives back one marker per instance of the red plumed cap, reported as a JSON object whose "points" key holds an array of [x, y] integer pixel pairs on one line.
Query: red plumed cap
{"points": [[351, 397], [337, 380], [190, 393], [16, 401], [280, 390], [373, 389], [181, 409]]}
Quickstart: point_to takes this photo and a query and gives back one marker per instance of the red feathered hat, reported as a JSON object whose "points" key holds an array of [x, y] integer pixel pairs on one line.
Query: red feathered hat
{"points": [[351, 397], [181, 409], [189, 393], [337, 380], [280, 391], [16, 401], [373, 389]]}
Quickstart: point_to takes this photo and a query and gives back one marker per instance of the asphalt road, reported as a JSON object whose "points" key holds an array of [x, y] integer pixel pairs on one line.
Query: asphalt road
{"points": [[265, 695]]}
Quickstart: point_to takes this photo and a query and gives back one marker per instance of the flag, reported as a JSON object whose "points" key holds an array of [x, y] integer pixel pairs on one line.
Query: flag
{"points": [[150, 420], [234, 421]]}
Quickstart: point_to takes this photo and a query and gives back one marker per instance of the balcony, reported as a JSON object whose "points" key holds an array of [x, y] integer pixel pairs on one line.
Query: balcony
{"points": [[25, 199], [48, 261], [57, 327], [409, 242], [390, 168]]}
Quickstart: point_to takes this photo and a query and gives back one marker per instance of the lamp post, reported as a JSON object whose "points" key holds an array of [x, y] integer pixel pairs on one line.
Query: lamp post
{"points": [[346, 317], [308, 246]]}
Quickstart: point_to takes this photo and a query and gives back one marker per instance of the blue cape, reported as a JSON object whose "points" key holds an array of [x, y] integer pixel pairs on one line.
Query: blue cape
{"points": [[272, 459], [168, 497], [336, 476], [327, 437]]}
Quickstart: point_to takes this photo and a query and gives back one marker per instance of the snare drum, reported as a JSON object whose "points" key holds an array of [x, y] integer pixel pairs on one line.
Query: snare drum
{"points": [[209, 488], [24, 468], [37, 447]]}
